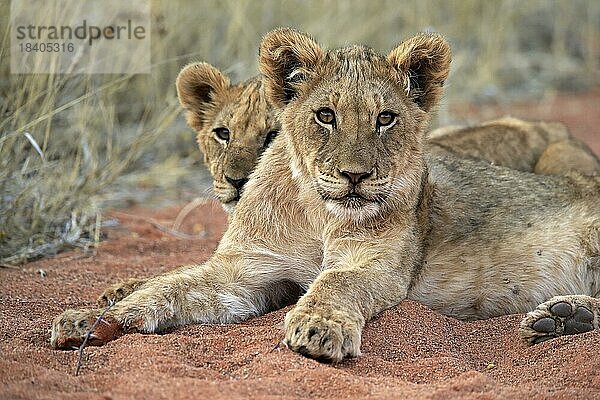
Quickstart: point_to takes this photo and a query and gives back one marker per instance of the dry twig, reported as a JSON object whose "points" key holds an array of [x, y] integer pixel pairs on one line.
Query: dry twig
{"points": [[161, 227], [88, 335], [189, 207]]}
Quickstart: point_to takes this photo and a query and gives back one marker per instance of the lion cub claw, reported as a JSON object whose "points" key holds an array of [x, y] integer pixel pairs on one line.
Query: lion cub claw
{"points": [[119, 291], [70, 328], [324, 338], [561, 315]]}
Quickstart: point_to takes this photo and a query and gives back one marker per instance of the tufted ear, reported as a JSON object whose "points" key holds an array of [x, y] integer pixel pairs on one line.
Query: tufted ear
{"points": [[423, 63], [197, 84], [286, 59]]}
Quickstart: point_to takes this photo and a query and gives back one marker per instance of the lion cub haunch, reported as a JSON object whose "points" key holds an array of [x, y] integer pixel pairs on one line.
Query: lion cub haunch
{"points": [[349, 208], [234, 125], [541, 147]]}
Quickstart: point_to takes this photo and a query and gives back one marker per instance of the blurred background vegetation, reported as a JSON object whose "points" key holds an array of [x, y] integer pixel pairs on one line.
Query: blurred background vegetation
{"points": [[73, 145]]}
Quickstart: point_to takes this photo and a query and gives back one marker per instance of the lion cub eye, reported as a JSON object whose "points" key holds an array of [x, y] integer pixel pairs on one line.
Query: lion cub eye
{"points": [[325, 116], [222, 134], [270, 136], [385, 118]]}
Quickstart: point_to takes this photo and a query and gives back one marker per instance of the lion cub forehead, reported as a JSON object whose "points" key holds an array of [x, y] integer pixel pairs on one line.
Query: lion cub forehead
{"points": [[356, 62], [372, 95], [357, 72], [246, 109]]}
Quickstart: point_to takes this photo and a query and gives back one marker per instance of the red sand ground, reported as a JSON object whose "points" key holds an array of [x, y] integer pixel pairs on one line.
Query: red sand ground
{"points": [[408, 351]]}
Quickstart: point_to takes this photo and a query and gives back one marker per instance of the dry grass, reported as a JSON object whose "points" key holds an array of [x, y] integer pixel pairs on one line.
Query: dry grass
{"points": [[70, 143]]}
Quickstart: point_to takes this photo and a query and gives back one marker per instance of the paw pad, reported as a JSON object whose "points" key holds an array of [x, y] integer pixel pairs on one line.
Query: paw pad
{"points": [[561, 309], [581, 322], [545, 325], [565, 315]]}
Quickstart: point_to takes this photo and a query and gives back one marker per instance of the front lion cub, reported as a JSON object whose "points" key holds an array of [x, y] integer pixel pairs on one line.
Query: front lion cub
{"points": [[346, 206]]}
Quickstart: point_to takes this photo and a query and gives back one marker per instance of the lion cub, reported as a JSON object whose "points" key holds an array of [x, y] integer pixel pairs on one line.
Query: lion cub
{"points": [[234, 124], [347, 206]]}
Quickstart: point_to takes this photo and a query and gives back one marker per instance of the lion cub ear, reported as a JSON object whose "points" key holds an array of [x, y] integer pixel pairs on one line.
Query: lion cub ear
{"points": [[198, 84], [423, 63], [286, 59]]}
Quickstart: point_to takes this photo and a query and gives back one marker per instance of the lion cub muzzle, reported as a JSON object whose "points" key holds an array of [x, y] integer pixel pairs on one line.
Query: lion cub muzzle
{"points": [[351, 194], [236, 167], [346, 185]]}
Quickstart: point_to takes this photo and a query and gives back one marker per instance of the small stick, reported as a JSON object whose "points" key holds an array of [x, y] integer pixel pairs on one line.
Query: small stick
{"points": [[177, 234], [161, 227], [281, 342], [88, 334], [189, 207]]}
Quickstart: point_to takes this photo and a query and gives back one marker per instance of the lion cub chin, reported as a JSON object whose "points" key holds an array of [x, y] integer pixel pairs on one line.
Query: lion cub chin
{"points": [[347, 210]]}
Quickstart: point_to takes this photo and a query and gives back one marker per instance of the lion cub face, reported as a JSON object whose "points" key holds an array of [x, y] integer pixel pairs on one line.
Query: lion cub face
{"points": [[234, 125], [354, 119]]}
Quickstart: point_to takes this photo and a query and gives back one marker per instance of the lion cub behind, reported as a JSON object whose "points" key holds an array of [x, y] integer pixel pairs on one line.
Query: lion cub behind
{"points": [[545, 148], [234, 124], [348, 207]]}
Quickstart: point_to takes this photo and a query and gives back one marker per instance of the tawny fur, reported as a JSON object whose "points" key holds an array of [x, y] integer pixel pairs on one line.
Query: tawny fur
{"points": [[463, 237]]}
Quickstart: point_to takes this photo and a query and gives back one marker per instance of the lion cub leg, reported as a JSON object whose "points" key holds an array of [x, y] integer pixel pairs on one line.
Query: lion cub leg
{"points": [[118, 291], [225, 289], [561, 315]]}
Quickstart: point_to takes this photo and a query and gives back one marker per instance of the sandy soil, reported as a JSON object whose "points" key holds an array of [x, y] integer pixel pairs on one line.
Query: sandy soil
{"points": [[408, 351]]}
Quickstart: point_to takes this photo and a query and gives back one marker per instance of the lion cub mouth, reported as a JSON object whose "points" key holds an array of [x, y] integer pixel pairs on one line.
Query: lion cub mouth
{"points": [[228, 198], [352, 200], [353, 206]]}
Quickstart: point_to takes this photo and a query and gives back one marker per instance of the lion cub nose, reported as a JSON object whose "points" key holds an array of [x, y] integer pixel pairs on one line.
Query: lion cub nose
{"points": [[356, 177], [237, 183]]}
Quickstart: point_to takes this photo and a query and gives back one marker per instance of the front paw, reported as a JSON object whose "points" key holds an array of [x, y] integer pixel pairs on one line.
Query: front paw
{"points": [[118, 291], [325, 336], [71, 327]]}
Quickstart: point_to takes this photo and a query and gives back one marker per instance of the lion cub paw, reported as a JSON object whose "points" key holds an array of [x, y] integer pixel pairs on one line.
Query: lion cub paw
{"points": [[119, 291], [324, 338], [71, 327], [561, 315]]}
